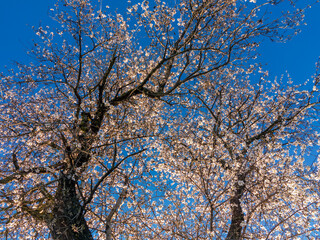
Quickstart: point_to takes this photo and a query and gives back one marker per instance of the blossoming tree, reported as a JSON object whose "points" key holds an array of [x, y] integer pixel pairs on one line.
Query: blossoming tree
{"points": [[239, 164], [87, 129]]}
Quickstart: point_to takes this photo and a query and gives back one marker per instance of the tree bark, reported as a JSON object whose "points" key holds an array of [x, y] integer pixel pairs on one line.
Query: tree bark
{"points": [[68, 215], [235, 229]]}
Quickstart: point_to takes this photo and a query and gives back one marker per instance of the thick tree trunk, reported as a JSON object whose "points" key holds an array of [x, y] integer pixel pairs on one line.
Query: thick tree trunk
{"points": [[235, 229], [237, 218], [108, 231], [68, 216]]}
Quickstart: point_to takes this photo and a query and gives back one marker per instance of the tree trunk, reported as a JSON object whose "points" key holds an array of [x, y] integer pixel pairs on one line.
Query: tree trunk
{"points": [[108, 231], [68, 215], [235, 229]]}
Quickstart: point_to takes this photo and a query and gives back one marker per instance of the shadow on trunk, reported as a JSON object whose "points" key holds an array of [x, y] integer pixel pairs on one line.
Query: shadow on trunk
{"points": [[68, 215]]}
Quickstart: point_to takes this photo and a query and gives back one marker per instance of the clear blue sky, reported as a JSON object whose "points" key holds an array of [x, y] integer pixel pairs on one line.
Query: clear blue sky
{"points": [[298, 56]]}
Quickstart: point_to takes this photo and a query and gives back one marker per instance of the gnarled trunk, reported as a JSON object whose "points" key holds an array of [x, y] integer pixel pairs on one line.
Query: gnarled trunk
{"points": [[235, 229], [68, 215]]}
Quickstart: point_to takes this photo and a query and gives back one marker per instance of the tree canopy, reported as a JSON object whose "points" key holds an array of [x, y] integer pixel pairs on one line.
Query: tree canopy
{"points": [[156, 122]]}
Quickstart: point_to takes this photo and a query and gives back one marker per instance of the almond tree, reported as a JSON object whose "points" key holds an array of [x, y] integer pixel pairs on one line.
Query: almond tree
{"points": [[77, 122]]}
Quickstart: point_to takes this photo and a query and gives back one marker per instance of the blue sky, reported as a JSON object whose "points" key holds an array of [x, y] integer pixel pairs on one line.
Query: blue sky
{"points": [[16, 20], [298, 56]]}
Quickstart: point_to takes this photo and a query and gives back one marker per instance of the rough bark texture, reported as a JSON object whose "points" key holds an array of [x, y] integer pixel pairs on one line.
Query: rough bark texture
{"points": [[235, 229], [68, 215]]}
